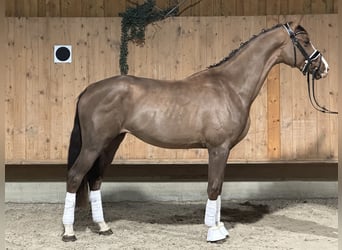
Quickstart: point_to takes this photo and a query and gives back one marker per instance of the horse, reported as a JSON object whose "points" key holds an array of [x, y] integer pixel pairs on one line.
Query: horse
{"points": [[209, 109]]}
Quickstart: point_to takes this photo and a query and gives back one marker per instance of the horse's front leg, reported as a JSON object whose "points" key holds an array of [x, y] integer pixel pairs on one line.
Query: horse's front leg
{"points": [[217, 163], [96, 201], [97, 212]]}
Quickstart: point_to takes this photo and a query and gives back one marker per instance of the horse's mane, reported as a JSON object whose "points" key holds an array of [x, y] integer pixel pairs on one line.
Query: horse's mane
{"points": [[242, 45]]}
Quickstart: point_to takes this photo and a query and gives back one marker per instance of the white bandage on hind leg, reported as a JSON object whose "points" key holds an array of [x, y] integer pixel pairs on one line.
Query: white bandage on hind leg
{"points": [[69, 209], [96, 206], [210, 213]]}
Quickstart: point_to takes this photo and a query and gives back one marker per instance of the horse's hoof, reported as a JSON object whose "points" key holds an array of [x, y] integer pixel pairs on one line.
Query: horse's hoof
{"points": [[215, 235], [69, 238], [107, 232], [219, 241], [223, 229]]}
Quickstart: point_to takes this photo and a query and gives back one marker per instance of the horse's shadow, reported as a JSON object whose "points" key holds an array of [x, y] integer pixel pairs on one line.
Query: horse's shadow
{"points": [[174, 213]]}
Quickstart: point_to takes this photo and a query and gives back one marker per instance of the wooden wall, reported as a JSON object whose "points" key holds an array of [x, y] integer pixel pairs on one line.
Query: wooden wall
{"points": [[111, 8], [41, 95]]}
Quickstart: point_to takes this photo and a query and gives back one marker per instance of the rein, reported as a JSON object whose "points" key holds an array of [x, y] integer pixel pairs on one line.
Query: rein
{"points": [[305, 70]]}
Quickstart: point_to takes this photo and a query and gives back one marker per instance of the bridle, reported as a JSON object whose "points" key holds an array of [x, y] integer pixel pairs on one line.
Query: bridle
{"points": [[316, 55]]}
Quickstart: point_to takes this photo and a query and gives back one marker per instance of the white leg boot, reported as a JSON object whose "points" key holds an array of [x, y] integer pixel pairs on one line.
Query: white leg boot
{"points": [[69, 217], [97, 212], [210, 219]]}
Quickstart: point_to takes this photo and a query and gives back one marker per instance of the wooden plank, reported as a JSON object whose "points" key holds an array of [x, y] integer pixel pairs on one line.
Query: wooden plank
{"points": [[112, 8], [216, 9], [68, 78], [53, 8], [240, 8], [273, 113], [206, 8], [57, 30], [273, 105], [262, 8], [162, 4], [93, 8], [333, 78], [95, 52], [299, 7], [284, 7], [328, 43], [320, 6], [44, 65], [115, 41], [41, 8], [252, 8], [32, 37], [17, 87], [9, 93], [286, 112], [80, 48], [3, 82], [228, 7], [19, 8], [9, 8], [4, 67], [30, 8], [111, 48], [179, 172], [335, 10], [71, 8], [273, 7]]}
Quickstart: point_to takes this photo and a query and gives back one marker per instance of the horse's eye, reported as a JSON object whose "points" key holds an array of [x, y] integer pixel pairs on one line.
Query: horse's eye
{"points": [[306, 42]]}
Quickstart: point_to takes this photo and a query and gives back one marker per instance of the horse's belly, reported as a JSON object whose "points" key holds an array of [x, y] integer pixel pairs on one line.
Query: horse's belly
{"points": [[169, 138], [167, 133]]}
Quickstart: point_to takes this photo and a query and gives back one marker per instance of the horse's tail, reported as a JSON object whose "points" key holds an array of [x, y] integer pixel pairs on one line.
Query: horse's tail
{"points": [[74, 150]]}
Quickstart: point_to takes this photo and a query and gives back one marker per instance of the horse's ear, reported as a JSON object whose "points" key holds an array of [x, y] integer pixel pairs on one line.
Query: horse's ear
{"points": [[297, 22]]}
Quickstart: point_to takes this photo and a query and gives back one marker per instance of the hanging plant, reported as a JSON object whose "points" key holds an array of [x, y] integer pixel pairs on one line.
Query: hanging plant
{"points": [[133, 25]]}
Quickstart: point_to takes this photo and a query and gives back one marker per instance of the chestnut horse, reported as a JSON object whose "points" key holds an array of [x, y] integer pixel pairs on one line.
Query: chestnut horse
{"points": [[209, 109]]}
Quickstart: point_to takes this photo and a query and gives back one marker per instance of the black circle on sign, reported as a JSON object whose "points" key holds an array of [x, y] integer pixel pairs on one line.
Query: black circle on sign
{"points": [[62, 54]]}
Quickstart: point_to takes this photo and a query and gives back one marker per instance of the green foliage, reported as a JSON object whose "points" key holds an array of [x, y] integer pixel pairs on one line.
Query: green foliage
{"points": [[133, 24]]}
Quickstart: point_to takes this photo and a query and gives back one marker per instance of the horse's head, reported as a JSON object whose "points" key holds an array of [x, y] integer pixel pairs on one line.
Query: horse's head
{"points": [[303, 54]]}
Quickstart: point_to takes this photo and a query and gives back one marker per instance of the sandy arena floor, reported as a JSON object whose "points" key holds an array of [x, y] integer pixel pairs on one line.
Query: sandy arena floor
{"points": [[277, 224]]}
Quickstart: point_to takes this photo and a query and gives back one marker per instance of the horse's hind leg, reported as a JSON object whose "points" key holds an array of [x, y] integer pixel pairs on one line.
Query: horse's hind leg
{"points": [[76, 174], [95, 176], [217, 163]]}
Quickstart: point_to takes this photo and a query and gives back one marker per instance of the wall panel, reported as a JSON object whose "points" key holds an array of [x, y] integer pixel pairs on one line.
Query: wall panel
{"points": [[112, 8], [41, 95]]}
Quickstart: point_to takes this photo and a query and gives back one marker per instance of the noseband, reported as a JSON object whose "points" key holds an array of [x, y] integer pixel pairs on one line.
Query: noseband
{"points": [[305, 70]]}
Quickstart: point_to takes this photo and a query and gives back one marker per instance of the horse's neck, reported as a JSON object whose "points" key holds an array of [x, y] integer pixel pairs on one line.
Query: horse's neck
{"points": [[247, 71]]}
